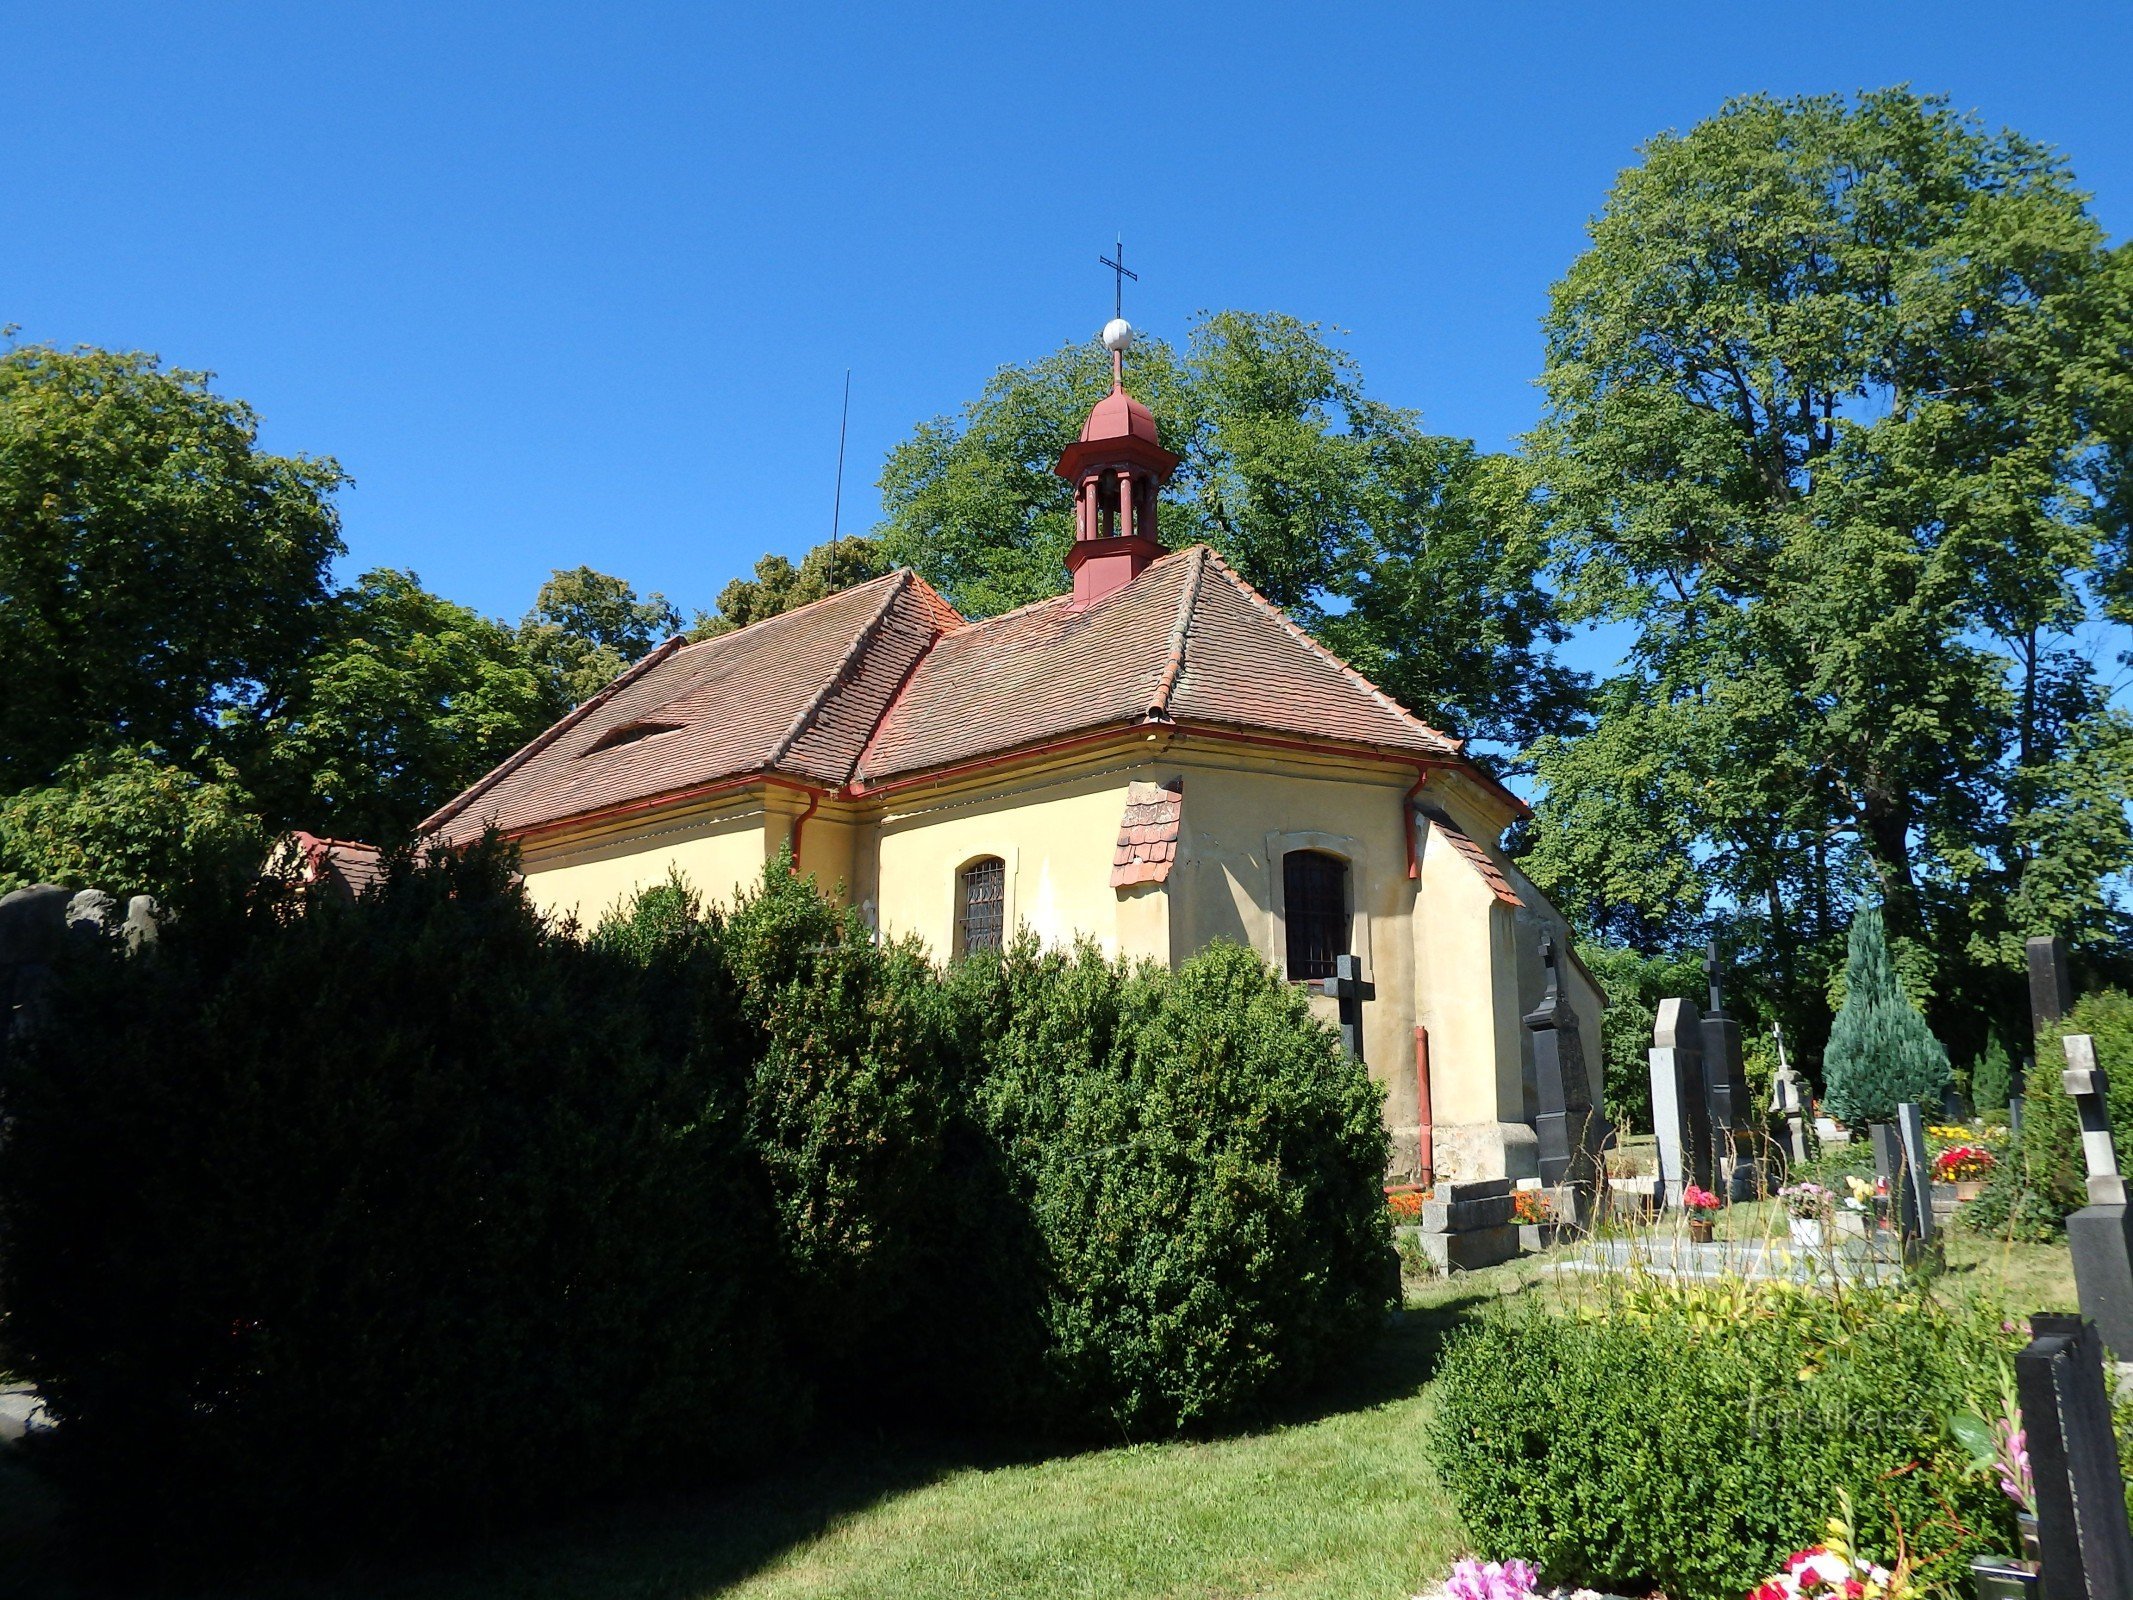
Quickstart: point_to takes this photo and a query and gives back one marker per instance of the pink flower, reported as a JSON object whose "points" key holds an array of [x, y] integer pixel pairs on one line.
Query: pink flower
{"points": [[1494, 1580]]}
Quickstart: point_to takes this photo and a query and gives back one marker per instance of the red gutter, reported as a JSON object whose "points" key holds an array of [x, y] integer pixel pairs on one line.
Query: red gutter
{"points": [[746, 780], [1426, 1126]]}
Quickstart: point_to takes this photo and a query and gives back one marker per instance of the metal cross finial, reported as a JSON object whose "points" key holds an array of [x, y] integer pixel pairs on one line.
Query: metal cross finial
{"points": [[1119, 274]]}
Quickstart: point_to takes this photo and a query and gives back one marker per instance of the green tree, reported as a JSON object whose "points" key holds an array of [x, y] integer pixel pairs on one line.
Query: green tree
{"points": [[1832, 423], [1634, 984], [779, 586], [1413, 554], [585, 628], [1992, 1079], [160, 574], [407, 700], [1881, 1053], [128, 822]]}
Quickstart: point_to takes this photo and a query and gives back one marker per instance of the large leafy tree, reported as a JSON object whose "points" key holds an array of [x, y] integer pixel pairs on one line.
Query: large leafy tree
{"points": [[158, 570], [127, 822], [1413, 554], [409, 698], [585, 627], [1836, 421], [778, 586]]}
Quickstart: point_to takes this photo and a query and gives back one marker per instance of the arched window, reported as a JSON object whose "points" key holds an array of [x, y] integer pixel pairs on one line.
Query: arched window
{"points": [[1314, 893], [980, 905]]}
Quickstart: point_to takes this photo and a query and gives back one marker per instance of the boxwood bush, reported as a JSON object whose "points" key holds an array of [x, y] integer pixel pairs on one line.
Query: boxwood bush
{"points": [[1691, 1438], [1202, 1168], [362, 1219]]}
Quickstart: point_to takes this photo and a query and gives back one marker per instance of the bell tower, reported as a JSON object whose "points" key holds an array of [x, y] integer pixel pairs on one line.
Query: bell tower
{"points": [[1116, 467]]}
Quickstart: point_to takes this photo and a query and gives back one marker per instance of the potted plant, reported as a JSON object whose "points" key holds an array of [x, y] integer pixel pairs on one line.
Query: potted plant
{"points": [[1702, 1206], [1808, 1210], [1967, 1166]]}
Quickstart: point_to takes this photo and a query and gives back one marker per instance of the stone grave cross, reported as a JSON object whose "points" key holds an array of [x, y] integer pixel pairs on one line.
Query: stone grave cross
{"points": [[1351, 989], [2100, 1235]]}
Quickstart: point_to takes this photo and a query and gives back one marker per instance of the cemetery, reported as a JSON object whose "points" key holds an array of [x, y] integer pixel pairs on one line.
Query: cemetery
{"points": [[1185, 987]]}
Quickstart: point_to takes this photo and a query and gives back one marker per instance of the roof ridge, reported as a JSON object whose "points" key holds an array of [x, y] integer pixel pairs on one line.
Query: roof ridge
{"points": [[835, 679], [780, 616], [1174, 667], [1453, 746], [533, 747]]}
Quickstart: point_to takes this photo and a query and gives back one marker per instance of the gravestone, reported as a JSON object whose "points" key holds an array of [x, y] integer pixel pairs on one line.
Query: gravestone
{"points": [[1917, 1165], [1567, 1127], [1679, 1115], [1892, 1168], [2051, 982], [2100, 1234], [1726, 1090], [1351, 989], [2081, 1508], [1788, 1101]]}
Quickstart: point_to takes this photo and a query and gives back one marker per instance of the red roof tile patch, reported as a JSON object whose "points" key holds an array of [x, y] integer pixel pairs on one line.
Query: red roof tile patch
{"points": [[1148, 833]]}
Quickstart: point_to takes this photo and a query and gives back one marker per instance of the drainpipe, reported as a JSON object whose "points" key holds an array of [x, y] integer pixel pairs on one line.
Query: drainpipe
{"points": [[1425, 1122], [799, 824]]}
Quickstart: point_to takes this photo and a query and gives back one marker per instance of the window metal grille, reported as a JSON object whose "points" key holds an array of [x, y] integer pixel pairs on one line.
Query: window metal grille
{"points": [[981, 911], [1314, 891]]}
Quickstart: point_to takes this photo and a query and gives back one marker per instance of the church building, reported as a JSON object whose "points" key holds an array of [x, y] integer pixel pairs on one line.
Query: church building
{"points": [[1158, 759]]}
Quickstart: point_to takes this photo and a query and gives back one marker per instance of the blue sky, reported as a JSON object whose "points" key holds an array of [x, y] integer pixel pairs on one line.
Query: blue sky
{"points": [[563, 284]]}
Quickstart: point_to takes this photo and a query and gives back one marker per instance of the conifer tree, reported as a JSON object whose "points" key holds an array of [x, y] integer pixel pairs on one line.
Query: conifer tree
{"points": [[1880, 1051], [1992, 1079]]}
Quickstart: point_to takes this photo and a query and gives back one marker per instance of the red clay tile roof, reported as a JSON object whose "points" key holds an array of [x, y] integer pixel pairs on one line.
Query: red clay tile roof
{"points": [[1148, 833], [796, 693], [1479, 859], [1186, 641], [886, 680]]}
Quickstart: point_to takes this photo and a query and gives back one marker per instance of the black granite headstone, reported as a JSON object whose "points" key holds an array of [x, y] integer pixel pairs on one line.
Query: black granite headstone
{"points": [[2081, 1499], [1893, 1169], [1566, 1125], [2051, 983]]}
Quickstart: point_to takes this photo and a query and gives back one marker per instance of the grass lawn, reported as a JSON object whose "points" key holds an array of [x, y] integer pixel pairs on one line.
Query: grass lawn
{"points": [[1337, 1500]]}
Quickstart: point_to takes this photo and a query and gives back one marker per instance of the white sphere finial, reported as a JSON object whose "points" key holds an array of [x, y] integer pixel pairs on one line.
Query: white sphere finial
{"points": [[1118, 336]]}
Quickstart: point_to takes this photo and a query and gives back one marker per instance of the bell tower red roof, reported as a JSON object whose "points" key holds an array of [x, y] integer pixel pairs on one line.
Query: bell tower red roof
{"points": [[1117, 467]]}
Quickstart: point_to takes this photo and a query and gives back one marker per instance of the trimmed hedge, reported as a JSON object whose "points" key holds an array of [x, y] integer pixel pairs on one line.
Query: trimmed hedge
{"points": [[417, 1212], [386, 1217], [1203, 1171], [1594, 1445]]}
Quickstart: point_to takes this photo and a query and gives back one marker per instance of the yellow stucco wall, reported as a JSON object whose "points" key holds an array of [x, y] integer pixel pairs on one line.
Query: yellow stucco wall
{"points": [[1054, 833], [717, 850]]}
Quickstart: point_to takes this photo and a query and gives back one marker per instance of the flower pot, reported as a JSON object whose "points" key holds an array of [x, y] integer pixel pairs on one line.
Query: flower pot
{"points": [[1701, 1230], [1807, 1232], [1970, 1189]]}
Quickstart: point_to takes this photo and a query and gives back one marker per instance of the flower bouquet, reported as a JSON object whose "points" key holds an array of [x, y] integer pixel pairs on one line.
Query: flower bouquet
{"points": [[1810, 1208], [1702, 1206], [1833, 1570], [1529, 1205]]}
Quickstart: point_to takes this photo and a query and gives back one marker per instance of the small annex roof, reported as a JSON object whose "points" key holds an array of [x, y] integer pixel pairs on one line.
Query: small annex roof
{"points": [[886, 681], [346, 865]]}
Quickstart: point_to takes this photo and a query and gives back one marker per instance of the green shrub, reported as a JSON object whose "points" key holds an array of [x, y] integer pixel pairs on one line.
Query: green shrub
{"points": [[357, 1219], [1203, 1168], [2044, 1177], [1992, 1079], [404, 1213], [1880, 1053], [1693, 1438]]}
